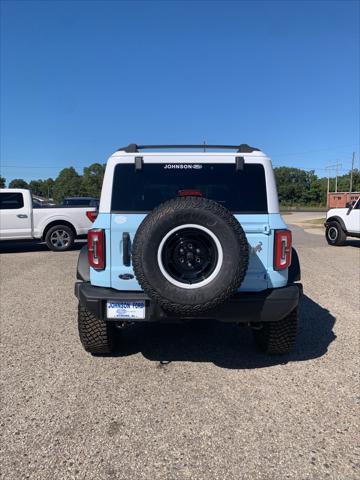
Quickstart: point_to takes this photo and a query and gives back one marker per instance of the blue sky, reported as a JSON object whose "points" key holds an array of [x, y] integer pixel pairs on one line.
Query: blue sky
{"points": [[81, 78]]}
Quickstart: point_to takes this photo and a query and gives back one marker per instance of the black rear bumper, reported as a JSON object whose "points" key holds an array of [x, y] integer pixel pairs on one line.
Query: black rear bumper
{"points": [[248, 307]]}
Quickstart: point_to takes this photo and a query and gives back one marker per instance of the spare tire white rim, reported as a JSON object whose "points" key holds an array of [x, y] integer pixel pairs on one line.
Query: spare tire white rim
{"points": [[213, 274]]}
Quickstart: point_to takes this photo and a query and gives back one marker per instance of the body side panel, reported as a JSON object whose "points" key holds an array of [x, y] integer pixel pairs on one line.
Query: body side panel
{"points": [[76, 216]]}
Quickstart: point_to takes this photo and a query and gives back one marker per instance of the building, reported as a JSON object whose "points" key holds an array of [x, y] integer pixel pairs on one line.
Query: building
{"points": [[340, 199]]}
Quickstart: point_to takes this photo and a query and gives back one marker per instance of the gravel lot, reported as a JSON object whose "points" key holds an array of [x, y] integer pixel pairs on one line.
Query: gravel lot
{"points": [[192, 401]]}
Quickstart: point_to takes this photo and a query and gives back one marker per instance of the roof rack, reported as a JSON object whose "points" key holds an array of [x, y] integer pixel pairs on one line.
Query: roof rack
{"points": [[243, 148]]}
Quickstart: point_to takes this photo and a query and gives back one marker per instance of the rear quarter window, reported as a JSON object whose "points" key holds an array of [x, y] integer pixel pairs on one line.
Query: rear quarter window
{"points": [[11, 201], [242, 191]]}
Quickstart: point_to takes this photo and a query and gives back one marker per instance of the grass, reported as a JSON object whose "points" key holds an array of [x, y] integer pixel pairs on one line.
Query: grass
{"points": [[315, 223], [304, 208]]}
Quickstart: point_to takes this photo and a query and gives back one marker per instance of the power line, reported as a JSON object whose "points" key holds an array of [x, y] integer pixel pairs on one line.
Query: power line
{"points": [[313, 151], [27, 166], [42, 166], [330, 168]]}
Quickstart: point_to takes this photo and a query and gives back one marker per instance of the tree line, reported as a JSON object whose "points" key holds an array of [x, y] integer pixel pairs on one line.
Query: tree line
{"points": [[296, 187], [67, 184]]}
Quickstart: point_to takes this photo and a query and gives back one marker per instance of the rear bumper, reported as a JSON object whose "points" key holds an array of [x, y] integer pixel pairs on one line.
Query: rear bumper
{"points": [[248, 307]]}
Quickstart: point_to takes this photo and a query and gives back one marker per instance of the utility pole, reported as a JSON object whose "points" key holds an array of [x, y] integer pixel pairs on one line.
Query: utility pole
{"points": [[351, 171], [328, 186], [337, 174], [329, 168], [335, 167]]}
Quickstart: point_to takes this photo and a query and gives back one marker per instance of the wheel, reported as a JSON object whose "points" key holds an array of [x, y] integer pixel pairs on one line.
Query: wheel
{"points": [[335, 234], [190, 254], [60, 238], [278, 338], [97, 336]]}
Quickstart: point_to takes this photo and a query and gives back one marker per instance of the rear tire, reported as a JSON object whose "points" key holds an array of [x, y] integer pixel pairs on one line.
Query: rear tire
{"points": [[60, 238], [97, 336], [278, 338], [334, 234], [189, 255]]}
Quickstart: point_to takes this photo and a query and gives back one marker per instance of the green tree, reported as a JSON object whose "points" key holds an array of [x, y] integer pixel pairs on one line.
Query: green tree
{"points": [[298, 187], [311, 194], [2, 182], [18, 183], [43, 188], [48, 187], [356, 180], [67, 184], [92, 178], [36, 187], [344, 182]]}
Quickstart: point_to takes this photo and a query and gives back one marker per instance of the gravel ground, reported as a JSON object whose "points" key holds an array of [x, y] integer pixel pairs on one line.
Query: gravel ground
{"points": [[192, 401]]}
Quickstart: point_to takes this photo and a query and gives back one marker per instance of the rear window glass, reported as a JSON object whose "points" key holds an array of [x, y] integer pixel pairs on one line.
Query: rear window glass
{"points": [[11, 201], [242, 191]]}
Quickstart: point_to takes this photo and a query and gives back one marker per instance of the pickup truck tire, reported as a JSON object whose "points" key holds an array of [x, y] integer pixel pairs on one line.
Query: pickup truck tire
{"points": [[278, 337], [97, 336], [60, 238], [190, 254], [334, 234]]}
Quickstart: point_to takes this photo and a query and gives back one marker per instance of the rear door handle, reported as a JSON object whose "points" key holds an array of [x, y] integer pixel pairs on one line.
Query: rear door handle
{"points": [[22, 215], [126, 249]]}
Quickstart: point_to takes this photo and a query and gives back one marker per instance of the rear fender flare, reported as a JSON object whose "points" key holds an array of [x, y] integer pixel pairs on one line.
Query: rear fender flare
{"points": [[83, 268], [294, 273]]}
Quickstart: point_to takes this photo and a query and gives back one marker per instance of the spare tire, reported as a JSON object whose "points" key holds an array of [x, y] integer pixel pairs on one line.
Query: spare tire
{"points": [[190, 254]]}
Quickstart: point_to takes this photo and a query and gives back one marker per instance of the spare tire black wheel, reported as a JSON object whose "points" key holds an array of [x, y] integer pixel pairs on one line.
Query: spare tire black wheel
{"points": [[190, 254]]}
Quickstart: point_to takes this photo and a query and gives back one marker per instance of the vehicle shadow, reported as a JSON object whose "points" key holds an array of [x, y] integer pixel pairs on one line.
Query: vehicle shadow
{"points": [[352, 243], [22, 246], [226, 345]]}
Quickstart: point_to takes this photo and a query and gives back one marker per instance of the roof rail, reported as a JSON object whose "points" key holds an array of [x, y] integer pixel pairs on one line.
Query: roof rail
{"points": [[243, 148]]}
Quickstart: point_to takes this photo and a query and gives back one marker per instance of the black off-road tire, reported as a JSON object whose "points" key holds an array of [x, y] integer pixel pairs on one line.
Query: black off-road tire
{"points": [[190, 211], [97, 336], [61, 230], [278, 338], [340, 236]]}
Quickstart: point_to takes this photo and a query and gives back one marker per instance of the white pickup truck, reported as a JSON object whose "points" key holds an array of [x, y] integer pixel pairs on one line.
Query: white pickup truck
{"points": [[341, 223], [57, 226]]}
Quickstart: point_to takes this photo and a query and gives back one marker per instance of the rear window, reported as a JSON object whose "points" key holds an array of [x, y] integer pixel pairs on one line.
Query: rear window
{"points": [[242, 191], [11, 201]]}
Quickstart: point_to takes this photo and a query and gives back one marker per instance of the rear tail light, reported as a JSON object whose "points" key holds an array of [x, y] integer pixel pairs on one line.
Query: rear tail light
{"points": [[282, 250], [91, 215], [96, 248]]}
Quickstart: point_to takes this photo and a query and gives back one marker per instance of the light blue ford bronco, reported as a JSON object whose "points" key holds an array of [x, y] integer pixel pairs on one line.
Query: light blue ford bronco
{"points": [[188, 232]]}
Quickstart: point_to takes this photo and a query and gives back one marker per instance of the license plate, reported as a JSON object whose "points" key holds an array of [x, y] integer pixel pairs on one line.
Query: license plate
{"points": [[129, 309]]}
